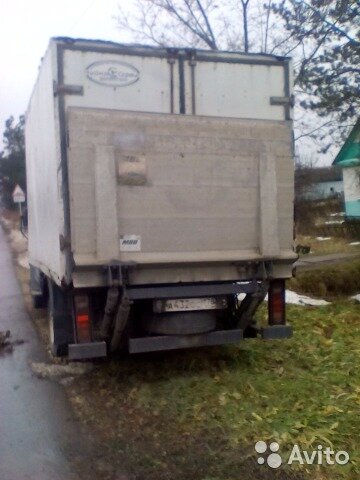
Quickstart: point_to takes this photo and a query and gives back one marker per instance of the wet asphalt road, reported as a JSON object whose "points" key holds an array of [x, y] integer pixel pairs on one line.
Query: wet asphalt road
{"points": [[313, 262], [38, 435]]}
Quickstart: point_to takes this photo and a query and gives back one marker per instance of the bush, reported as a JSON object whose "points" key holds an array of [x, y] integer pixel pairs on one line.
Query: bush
{"points": [[332, 281]]}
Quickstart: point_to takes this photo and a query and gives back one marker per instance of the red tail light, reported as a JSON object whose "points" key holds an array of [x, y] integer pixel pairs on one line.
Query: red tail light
{"points": [[276, 303], [82, 318]]}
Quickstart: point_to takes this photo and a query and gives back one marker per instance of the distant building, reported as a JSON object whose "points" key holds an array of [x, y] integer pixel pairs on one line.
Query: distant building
{"points": [[348, 159], [318, 183]]}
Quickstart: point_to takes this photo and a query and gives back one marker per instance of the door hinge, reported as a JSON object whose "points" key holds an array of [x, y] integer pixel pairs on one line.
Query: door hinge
{"points": [[283, 101], [64, 89]]}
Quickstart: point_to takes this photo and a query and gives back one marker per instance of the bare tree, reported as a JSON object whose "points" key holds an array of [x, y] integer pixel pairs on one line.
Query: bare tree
{"points": [[245, 4], [168, 22], [325, 43], [197, 23]]}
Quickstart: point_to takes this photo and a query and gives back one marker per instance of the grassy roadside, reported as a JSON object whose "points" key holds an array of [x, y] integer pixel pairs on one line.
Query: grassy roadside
{"points": [[197, 414], [319, 246], [332, 281]]}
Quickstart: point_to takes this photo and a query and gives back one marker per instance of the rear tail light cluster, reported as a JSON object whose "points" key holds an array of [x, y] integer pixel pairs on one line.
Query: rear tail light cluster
{"points": [[276, 303], [82, 318]]}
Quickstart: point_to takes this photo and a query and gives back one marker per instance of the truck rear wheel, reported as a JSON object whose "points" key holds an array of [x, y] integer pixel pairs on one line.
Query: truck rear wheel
{"points": [[39, 301], [38, 288]]}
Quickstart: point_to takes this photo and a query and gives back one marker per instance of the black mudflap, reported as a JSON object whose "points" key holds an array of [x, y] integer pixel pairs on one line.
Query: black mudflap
{"points": [[61, 319]]}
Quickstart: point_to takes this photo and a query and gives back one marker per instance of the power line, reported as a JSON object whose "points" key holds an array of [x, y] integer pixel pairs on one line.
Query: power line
{"points": [[87, 9]]}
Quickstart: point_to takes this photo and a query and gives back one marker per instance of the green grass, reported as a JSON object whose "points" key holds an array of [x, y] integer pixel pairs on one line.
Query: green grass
{"points": [[325, 247], [197, 414], [329, 281]]}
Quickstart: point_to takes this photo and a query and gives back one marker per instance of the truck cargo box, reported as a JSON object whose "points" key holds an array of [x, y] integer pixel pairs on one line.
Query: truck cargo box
{"points": [[158, 157], [175, 164]]}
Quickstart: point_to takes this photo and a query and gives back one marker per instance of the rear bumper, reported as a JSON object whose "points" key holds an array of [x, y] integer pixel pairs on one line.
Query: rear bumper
{"points": [[276, 332], [174, 342], [81, 351], [220, 337]]}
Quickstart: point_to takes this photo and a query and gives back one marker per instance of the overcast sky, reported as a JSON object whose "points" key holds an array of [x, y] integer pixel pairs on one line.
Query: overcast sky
{"points": [[25, 29]]}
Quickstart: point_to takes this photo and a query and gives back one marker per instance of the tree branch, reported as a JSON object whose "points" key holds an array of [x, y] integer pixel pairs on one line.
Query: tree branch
{"points": [[330, 24], [188, 4], [311, 132], [208, 24], [171, 9], [245, 4], [267, 25]]}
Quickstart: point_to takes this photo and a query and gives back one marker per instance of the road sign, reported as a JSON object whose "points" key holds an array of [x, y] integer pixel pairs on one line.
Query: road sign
{"points": [[18, 195]]}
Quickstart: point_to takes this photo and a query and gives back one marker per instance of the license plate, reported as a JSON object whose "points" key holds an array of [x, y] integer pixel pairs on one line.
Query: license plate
{"points": [[188, 304]]}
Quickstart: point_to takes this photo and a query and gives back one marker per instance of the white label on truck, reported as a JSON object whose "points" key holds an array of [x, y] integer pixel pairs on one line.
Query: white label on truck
{"points": [[113, 73], [130, 243]]}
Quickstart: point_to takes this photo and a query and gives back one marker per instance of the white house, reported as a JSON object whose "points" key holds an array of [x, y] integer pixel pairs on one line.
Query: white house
{"points": [[348, 159]]}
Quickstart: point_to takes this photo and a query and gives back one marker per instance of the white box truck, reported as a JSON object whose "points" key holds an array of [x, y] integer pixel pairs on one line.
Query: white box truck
{"points": [[160, 187]]}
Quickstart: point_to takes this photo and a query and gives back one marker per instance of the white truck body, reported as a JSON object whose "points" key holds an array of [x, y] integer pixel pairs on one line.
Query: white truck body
{"points": [[178, 162], [159, 186]]}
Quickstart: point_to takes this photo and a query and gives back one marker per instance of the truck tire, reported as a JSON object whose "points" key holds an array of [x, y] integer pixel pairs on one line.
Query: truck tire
{"points": [[38, 301], [60, 316]]}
